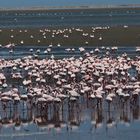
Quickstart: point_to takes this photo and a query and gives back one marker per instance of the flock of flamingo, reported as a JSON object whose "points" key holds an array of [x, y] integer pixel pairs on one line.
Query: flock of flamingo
{"points": [[52, 83], [54, 80]]}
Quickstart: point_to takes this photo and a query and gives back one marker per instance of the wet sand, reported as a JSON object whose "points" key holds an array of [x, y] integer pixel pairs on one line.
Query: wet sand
{"points": [[112, 36]]}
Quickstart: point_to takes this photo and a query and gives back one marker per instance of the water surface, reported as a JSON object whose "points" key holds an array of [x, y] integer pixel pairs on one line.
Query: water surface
{"points": [[32, 3], [83, 17]]}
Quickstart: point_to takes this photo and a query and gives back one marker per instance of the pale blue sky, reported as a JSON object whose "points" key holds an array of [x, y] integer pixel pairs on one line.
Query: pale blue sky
{"points": [[30, 3]]}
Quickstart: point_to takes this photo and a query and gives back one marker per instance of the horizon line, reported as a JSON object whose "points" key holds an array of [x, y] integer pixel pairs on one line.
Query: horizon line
{"points": [[70, 7]]}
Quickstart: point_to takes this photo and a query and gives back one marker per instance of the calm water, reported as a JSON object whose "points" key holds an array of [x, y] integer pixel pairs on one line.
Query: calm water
{"points": [[27, 3], [108, 17], [60, 52]]}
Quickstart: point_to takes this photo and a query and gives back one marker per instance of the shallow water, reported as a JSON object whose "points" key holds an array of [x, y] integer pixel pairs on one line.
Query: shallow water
{"points": [[60, 52], [82, 120], [99, 17]]}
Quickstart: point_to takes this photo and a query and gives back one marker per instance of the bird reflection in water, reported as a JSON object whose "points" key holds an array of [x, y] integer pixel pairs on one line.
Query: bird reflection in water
{"points": [[66, 115], [96, 117], [73, 115]]}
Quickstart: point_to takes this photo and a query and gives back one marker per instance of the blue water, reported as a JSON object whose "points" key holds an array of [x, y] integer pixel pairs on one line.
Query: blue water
{"points": [[30, 3], [60, 52], [108, 17]]}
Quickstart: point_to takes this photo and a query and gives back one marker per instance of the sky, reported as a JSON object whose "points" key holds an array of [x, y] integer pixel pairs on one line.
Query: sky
{"points": [[35, 3]]}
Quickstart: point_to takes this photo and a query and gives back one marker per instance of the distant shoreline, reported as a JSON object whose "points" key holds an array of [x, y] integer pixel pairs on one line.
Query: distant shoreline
{"points": [[130, 6]]}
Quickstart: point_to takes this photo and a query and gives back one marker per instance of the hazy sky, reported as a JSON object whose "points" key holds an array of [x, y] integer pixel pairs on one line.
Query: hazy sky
{"points": [[30, 3]]}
